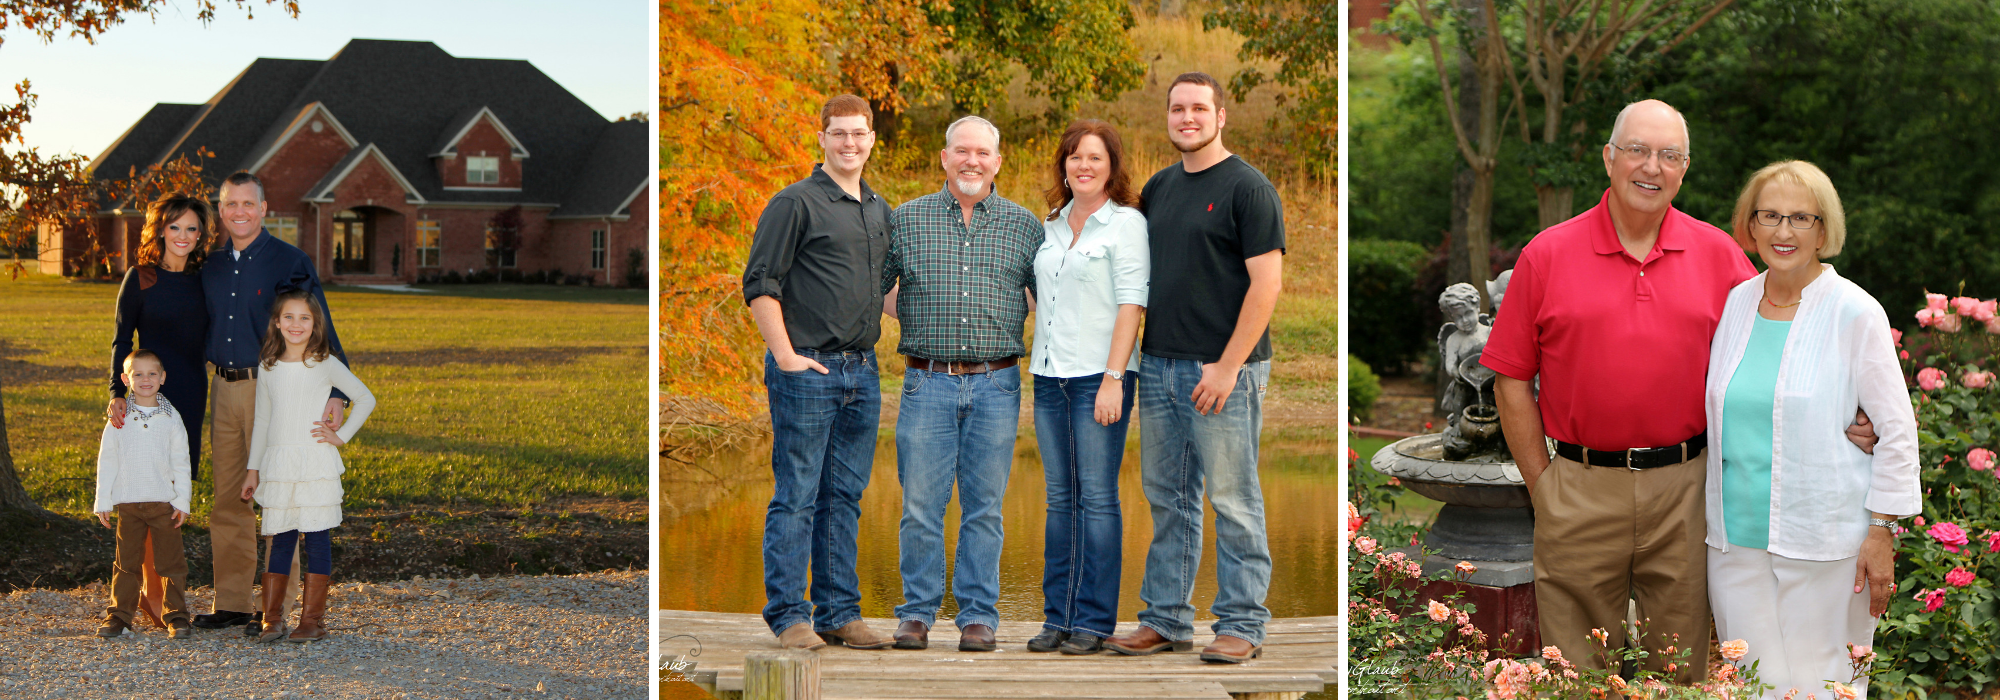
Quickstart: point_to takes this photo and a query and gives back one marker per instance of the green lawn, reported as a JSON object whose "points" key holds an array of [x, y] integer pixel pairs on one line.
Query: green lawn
{"points": [[496, 395]]}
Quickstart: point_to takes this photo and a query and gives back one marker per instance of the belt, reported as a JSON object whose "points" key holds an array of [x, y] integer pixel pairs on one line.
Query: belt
{"points": [[230, 374], [1636, 458], [978, 367]]}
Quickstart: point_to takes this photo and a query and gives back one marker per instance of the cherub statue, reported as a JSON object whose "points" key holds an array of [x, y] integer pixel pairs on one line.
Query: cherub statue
{"points": [[1460, 342], [1497, 288]]}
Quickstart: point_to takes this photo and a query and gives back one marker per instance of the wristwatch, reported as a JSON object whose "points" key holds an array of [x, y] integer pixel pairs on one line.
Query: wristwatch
{"points": [[1886, 523], [1117, 374]]}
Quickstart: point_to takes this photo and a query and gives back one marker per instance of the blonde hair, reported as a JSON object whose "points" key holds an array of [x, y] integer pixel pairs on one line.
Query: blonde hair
{"points": [[1803, 174]]}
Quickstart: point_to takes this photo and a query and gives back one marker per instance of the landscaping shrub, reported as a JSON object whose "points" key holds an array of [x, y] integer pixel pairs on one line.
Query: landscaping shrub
{"points": [[1384, 319], [1363, 389]]}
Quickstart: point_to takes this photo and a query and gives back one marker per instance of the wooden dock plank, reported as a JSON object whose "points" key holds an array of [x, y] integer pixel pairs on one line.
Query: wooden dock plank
{"points": [[1299, 656]]}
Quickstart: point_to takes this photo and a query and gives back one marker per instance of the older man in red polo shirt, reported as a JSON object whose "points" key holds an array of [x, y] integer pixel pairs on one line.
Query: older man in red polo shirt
{"points": [[1615, 309]]}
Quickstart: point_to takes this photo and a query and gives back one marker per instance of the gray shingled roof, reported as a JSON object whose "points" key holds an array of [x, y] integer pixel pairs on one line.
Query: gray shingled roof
{"points": [[401, 95], [605, 187]]}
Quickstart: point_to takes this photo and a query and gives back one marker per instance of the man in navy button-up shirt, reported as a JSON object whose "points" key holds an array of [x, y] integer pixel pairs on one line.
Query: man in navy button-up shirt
{"points": [[240, 281]]}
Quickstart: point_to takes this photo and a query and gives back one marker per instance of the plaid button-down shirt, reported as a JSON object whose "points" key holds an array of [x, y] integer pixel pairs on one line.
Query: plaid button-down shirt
{"points": [[961, 298]]}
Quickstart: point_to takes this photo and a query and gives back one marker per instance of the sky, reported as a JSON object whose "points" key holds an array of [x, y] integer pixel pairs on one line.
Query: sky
{"points": [[601, 50]]}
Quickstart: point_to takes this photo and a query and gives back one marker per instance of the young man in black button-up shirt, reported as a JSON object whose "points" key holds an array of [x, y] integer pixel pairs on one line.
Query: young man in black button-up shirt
{"points": [[240, 280], [811, 283]]}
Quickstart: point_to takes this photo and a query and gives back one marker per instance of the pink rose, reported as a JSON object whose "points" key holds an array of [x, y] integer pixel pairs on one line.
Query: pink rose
{"points": [[1928, 317], [1930, 378], [1353, 519], [1949, 535], [1986, 310], [1958, 577], [1439, 612], [1980, 459], [1466, 568], [1993, 542], [1843, 691], [1896, 335], [1904, 354], [1860, 653], [1933, 599], [1366, 545], [1735, 649], [1920, 519], [1964, 306], [1976, 380], [1993, 325], [1947, 323], [1935, 302]]}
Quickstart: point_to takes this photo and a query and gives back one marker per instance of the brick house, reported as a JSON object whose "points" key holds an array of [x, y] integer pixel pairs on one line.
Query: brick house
{"points": [[389, 162]]}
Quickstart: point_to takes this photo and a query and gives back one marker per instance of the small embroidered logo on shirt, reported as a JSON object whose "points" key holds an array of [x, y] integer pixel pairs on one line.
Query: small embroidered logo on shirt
{"points": [[1211, 206]]}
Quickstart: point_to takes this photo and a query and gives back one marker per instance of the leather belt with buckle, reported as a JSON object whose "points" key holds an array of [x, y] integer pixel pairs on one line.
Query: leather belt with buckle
{"points": [[981, 366], [1636, 458], [234, 374]]}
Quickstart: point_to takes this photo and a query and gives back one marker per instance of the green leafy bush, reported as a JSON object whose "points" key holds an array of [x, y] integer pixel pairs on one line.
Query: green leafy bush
{"points": [[1385, 322], [1363, 389]]}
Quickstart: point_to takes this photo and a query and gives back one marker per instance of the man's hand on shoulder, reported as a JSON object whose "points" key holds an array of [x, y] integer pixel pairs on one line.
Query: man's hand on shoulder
{"points": [[115, 411], [335, 412]]}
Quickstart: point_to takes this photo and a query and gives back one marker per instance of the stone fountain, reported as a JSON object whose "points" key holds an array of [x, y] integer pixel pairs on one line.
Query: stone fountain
{"points": [[1487, 519]]}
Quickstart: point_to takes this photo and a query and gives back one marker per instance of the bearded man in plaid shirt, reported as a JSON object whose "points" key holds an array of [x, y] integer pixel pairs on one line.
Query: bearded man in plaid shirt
{"points": [[959, 276]]}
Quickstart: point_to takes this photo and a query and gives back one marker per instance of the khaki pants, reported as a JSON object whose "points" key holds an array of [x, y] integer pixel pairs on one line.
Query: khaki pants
{"points": [[232, 526], [135, 521], [1606, 534]]}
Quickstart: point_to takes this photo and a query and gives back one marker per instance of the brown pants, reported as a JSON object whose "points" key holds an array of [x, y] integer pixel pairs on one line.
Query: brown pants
{"points": [[1604, 535], [232, 525], [135, 521]]}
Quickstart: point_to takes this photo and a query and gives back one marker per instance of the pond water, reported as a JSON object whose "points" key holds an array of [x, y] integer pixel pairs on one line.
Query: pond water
{"points": [[712, 525]]}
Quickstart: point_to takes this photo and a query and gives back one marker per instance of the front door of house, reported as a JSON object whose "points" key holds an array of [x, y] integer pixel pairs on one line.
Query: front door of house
{"points": [[353, 242]]}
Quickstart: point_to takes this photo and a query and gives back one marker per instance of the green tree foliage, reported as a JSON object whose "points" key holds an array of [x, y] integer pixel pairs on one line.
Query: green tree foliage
{"points": [[1383, 309], [1072, 50], [1304, 38]]}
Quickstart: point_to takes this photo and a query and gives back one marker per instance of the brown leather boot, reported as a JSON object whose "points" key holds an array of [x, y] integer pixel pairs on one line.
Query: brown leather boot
{"points": [[313, 611], [273, 624]]}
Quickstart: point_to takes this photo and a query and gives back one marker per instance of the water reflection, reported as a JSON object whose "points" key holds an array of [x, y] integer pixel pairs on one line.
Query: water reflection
{"points": [[712, 526]]}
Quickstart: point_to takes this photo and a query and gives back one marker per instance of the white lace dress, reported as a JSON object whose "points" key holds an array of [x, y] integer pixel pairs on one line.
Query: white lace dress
{"points": [[298, 477]]}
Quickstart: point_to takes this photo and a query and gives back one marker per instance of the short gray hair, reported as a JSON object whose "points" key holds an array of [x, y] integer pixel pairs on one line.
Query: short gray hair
{"points": [[1618, 125], [974, 120]]}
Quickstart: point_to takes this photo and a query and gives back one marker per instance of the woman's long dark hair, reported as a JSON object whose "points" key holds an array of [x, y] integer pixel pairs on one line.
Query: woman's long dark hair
{"points": [[166, 210], [1119, 185], [317, 346]]}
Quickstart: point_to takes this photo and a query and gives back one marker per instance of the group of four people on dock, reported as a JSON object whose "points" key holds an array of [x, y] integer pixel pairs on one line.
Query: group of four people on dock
{"points": [[962, 269]]}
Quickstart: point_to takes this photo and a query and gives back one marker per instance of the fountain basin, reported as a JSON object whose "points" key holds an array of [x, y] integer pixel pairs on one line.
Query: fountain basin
{"points": [[1487, 515]]}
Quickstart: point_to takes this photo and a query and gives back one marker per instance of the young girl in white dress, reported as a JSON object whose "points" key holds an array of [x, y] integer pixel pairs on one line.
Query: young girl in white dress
{"points": [[295, 463]]}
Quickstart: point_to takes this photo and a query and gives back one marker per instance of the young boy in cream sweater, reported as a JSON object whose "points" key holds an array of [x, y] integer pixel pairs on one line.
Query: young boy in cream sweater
{"points": [[143, 476]]}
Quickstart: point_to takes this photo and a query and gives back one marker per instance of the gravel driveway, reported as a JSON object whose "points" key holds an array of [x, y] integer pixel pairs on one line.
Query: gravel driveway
{"points": [[578, 636]]}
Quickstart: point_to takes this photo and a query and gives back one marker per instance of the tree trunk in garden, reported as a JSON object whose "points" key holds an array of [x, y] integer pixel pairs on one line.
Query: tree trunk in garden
{"points": [[1554, 205], [12, 495]]}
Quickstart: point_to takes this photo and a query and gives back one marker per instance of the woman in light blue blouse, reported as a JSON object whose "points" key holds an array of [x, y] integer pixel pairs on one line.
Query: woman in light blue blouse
{"points": [[1090, 277]]}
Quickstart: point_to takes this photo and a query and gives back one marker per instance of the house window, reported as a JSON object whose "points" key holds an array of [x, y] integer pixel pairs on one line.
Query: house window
{"points": [[497, 255], [427, 243], [482, 170], [597, 249], [285, 228]]}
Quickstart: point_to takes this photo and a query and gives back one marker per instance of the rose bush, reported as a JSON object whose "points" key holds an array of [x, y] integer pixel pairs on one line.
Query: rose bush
{"points": [[1941, 635]]}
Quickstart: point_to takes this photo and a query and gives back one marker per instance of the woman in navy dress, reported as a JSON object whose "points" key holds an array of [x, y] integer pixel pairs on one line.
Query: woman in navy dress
{"points": [[162, 302]]}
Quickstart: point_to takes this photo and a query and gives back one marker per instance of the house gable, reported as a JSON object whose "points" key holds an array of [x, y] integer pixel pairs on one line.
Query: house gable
{"points": [[363, 165], [314, 119], [480, 155]]}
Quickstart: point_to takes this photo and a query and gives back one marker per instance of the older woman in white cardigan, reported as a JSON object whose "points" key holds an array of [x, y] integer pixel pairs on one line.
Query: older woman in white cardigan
{"points": [[1800, 521]]}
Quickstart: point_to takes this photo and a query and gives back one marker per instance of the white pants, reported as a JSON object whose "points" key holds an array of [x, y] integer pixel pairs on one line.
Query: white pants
{"points": [[1797, 616]]}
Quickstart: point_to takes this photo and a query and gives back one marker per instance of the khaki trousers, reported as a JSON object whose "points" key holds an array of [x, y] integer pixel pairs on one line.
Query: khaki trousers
{"points": [[1606, 534], [232, 526], [135, 521]]}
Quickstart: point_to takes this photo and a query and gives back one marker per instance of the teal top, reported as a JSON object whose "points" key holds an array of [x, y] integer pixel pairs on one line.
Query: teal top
{"points": [[1746, 439]]}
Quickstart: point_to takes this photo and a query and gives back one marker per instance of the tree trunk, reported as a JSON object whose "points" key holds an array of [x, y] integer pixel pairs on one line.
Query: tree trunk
{"points": [[12, 494], [1554, 205]]}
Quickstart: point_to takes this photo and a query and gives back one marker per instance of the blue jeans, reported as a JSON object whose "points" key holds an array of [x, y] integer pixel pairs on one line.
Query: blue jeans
{"points": [[1181, 454], [1083, 536], [954, 429], [822, 452]]}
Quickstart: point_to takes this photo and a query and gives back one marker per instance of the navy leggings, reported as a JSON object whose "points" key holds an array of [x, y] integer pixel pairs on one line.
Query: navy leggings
{"points": [[318, 555]]}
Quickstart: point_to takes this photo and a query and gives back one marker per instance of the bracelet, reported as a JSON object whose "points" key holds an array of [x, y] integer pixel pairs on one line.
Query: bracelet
{"points": [[1885, 523]]}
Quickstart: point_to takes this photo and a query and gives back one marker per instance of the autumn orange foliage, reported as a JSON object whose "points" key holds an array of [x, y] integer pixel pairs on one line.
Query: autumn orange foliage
{"points": [[740, 91]]}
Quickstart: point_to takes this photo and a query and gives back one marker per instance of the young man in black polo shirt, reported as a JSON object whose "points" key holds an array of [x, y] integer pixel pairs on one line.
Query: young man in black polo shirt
{"points": [[1218, 233], [812, 284]]}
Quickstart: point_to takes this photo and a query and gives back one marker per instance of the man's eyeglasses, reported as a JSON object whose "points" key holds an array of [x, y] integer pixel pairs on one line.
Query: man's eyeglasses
{"points": [[838, 136], [1668, 158], [1771, 218]]}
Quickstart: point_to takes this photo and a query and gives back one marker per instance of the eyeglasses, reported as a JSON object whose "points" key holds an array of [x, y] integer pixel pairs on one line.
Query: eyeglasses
{"points": [[1767, 217], [1668, 158], [843, 135]]}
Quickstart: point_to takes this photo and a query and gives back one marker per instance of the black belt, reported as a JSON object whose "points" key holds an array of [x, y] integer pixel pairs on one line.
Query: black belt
{"points": [[918, 363], [1636, 458], [232, 374]]}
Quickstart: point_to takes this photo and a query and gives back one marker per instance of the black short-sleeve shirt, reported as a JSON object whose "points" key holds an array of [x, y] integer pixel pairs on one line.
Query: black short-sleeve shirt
{"points": [[819, 251], [1203, 226]]}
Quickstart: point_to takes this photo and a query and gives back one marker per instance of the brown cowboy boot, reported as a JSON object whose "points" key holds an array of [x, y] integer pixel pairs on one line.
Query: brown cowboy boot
{"points": [[273, 624], [313, 611]]}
